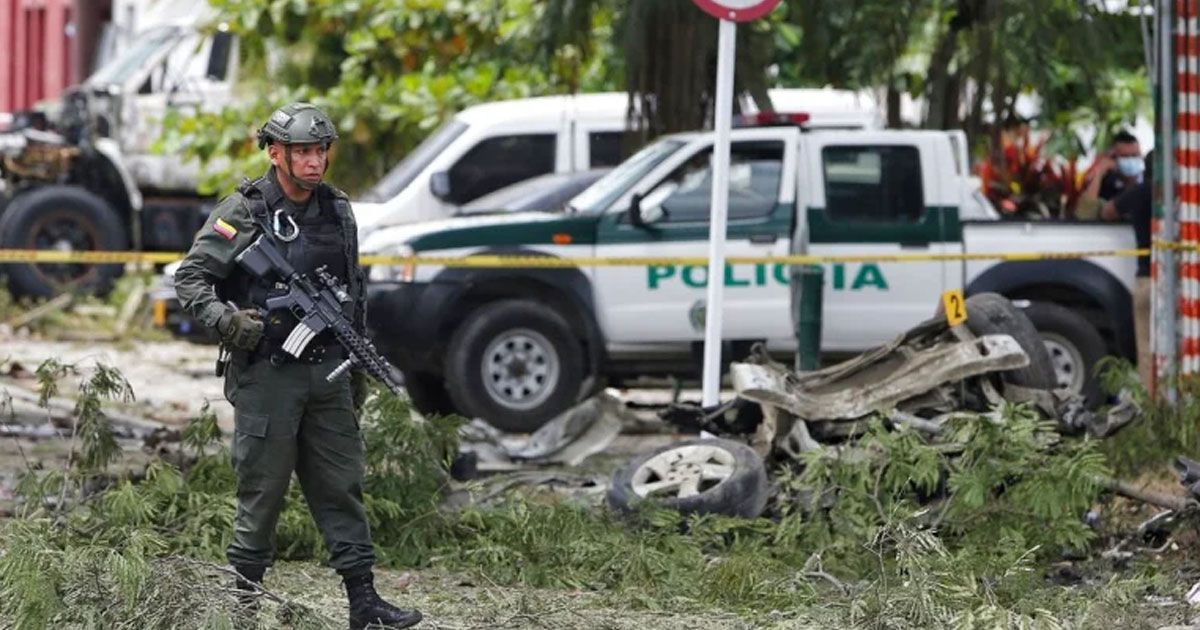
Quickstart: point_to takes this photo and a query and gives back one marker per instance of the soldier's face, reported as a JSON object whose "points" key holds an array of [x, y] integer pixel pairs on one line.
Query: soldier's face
{"points": [[308, 160]]}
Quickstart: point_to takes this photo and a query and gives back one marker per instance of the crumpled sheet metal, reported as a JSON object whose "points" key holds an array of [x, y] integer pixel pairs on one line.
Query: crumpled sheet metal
{"points": [[914, 374], [570, 438]]}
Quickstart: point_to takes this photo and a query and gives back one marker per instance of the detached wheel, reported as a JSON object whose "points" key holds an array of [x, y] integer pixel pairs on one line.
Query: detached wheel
{"points": [[61, 218], [1074, 347], [710, 476], [514, 363], [992, 313], [428, 394]]}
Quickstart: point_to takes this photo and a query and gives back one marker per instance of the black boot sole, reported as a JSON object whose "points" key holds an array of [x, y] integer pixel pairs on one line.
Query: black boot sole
{"points": [[374, 625]]}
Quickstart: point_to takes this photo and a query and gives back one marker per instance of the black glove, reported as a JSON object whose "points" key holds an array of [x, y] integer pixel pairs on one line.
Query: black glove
{"points": [[241, 329], [359, 388]]}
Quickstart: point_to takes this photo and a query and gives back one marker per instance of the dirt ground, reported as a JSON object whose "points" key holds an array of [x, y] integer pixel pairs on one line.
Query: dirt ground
{"points": [[453, 602], [171, 379]]}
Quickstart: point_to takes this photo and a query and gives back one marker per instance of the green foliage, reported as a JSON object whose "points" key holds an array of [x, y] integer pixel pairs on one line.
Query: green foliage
{"points": [[202, 431], [390, 71], [1004, 477], [972, 59], [1018, 478], [1165, 429], [99, 445], [890, 532], [406, 464], [826, 42], [48, 579], [969, 59], [387, 71], [48, 374]]}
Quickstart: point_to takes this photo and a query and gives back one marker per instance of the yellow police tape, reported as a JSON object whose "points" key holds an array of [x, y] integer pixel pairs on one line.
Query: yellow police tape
{"points": [[497, 261]]}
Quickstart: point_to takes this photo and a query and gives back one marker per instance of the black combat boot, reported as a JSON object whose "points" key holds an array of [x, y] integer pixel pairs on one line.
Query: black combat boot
{"points": [[247, 594], [367, 608]]}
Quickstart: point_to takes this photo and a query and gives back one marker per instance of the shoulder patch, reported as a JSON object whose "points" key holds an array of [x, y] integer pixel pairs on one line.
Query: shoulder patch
{"points": [[220, 226]]}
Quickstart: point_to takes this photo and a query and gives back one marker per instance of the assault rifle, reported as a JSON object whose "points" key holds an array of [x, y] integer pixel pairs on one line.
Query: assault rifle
{"points": [[318, 307]]}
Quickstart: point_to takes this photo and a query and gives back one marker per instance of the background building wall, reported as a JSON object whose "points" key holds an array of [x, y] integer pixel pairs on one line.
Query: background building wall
{"points": [[45, 46]]}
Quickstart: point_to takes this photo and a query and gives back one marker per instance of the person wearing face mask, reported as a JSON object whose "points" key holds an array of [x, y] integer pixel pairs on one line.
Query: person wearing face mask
{"points": [[1116, 171], [1136, 205]]}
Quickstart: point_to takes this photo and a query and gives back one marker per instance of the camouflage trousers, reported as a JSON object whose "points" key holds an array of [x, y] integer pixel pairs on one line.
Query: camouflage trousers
{"points": [[287, 419]]}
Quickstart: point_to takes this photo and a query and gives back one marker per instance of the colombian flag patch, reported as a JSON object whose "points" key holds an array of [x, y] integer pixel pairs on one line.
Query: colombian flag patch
{"points": [[224, 229]]}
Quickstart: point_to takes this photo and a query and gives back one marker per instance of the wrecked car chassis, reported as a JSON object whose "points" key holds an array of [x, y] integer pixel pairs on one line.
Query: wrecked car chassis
{"points": [[919, 381]]}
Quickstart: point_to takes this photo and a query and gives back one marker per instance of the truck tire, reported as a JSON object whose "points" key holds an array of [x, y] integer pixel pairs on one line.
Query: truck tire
{"points": [[992, 313], [515, 364], [428, 394], [64, 218], [707, 476], [1074, 347]]}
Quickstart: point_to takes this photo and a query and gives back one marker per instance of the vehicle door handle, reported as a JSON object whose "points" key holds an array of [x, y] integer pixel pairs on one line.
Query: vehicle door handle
{"points": [[763, 239], [915, 245]]}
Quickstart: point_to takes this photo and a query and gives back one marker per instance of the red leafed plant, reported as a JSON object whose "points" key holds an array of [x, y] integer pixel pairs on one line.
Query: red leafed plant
{"points": [[1023, 183]]}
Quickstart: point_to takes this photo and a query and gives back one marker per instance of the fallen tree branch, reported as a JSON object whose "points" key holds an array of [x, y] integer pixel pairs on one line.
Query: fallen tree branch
{"points": [[1163, 500], [64, 409], [259, 589], [57, 304], [814, 568], [136, 296]]}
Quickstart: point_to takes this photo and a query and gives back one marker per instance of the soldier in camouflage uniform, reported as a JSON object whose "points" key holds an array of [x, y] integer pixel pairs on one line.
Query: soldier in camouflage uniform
{"points": [[287, 417]]}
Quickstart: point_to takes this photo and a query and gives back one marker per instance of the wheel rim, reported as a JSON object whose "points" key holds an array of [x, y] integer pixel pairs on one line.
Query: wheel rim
{"points": [[64, 231], [683, 472], [1069, 371], [520, 369]]}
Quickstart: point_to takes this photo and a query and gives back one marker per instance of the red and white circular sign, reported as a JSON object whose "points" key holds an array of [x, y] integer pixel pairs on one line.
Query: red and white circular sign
{"points": [[737, 10]]}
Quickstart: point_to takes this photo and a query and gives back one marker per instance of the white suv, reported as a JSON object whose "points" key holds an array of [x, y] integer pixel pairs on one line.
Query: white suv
{"points": [[490, 146]]}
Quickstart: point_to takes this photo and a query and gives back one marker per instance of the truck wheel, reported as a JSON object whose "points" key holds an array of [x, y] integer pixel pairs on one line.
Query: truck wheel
{"points": [[428, 394], [1074, 346], [709, 476], [514, 363], [992, 313], [66, 219]]}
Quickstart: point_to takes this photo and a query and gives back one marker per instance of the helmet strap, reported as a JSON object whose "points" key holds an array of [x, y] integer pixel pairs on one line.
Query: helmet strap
{"points": [[304, 185]]}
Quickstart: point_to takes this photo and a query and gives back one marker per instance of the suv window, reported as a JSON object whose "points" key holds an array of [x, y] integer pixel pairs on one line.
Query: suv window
{"points": [[604, 148], [873, 184], [755, 168], [411, 166], [498, 162]]}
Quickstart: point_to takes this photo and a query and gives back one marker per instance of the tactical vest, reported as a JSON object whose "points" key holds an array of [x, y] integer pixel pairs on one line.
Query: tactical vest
{"points": [[325, 240]]}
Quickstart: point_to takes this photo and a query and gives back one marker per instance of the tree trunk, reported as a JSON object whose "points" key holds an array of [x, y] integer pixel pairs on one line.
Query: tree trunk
{"points": [[950, 113], [893, 105], [943, 87], [983, 67], [939, 77]]}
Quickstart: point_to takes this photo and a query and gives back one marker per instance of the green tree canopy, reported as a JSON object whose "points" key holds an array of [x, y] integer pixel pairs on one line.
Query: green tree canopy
{"points": [[389, 71]]}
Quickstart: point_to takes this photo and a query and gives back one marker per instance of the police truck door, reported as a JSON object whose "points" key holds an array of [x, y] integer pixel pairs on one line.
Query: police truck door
{"points": [[868, 194], [664, 302]]}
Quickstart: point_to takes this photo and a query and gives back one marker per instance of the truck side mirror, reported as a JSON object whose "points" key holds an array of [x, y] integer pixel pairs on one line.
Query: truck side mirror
{"points": [[439, 185], [648, 209]]}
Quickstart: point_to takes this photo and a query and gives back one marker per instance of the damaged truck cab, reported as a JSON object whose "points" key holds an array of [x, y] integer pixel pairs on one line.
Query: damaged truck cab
{"points": [[516, 346], [82, 175]]}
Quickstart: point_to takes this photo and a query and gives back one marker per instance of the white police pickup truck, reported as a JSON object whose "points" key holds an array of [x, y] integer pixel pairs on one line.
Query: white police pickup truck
{"points": [[518, 345]]}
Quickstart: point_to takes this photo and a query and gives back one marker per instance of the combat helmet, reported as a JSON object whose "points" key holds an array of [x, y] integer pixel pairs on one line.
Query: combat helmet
{"points": [[297, 123]]}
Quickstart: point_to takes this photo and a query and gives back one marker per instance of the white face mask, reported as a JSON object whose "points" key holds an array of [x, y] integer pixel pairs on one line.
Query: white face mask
{"points": [[1130, 166]]}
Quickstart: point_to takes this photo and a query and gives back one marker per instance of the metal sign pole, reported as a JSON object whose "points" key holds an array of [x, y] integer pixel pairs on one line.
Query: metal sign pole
{"points": [[1163, 308], [714, 303]]}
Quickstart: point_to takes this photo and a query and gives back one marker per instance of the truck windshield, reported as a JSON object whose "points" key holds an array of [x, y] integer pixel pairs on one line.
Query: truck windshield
{"points": [[125, 65], [407, 170], [609, 188]]}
